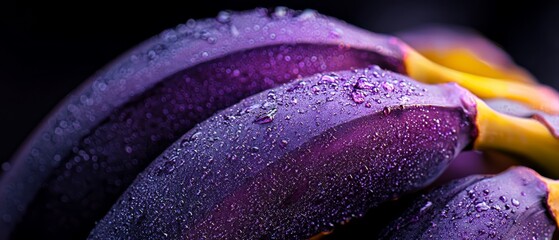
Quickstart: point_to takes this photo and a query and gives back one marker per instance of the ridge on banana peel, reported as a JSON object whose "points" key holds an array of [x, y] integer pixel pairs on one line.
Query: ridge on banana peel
{"points": [[360, 146], [516, 204], [87, 152]]}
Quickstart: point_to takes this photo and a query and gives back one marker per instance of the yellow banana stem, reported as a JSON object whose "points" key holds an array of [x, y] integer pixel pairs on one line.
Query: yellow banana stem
{"points": [[537, 96], [522, 136], [464, 60]]}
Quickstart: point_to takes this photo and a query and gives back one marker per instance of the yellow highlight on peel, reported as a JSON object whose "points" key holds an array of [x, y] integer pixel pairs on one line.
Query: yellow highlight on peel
{"points": [[523, 136], [534, 95], [464, 60]]}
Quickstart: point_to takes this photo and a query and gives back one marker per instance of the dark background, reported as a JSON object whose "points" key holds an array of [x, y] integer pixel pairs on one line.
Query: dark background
{"points": [[47, 50]]}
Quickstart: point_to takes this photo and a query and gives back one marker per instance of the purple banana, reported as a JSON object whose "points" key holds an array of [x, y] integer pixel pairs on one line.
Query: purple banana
{"points": [[516, 204], [94, 144], [291, 162]]}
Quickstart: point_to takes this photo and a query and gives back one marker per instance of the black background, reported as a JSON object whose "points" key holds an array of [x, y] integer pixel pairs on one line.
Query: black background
{"points": [[47, 50]]}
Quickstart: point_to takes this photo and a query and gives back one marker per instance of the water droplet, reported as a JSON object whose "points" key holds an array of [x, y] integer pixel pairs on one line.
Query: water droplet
{"points": [[272, 36], [481, 207], [254, 149], [169, 35], [224, 17], [364, 83], [388, 86], [368, 105], [329, 78], [357, 97], [183, 29], [514, 202], [228, 117], [426, 206], [503, 198], [307, 14], [205, 54], [315, 89], [524, 181], [236, 73], [58, 131], [336, 33], [268, 117], [234, 31], [195, 136], [376, 73], [280, 12], [191, 23], [284, 143], [128, 149], [167, 167], [272, 95], [472, 194], [444, 214], [134, 58], [404, 99], [152, 55], [386, 111]]}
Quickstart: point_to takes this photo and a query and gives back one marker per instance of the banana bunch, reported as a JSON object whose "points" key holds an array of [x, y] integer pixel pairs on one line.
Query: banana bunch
{"points": [[282, 125]]}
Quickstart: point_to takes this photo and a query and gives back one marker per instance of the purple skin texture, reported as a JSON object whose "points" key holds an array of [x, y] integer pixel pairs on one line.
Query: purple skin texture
{"points": [[86, 153], [290, 162], [511, 205]]}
